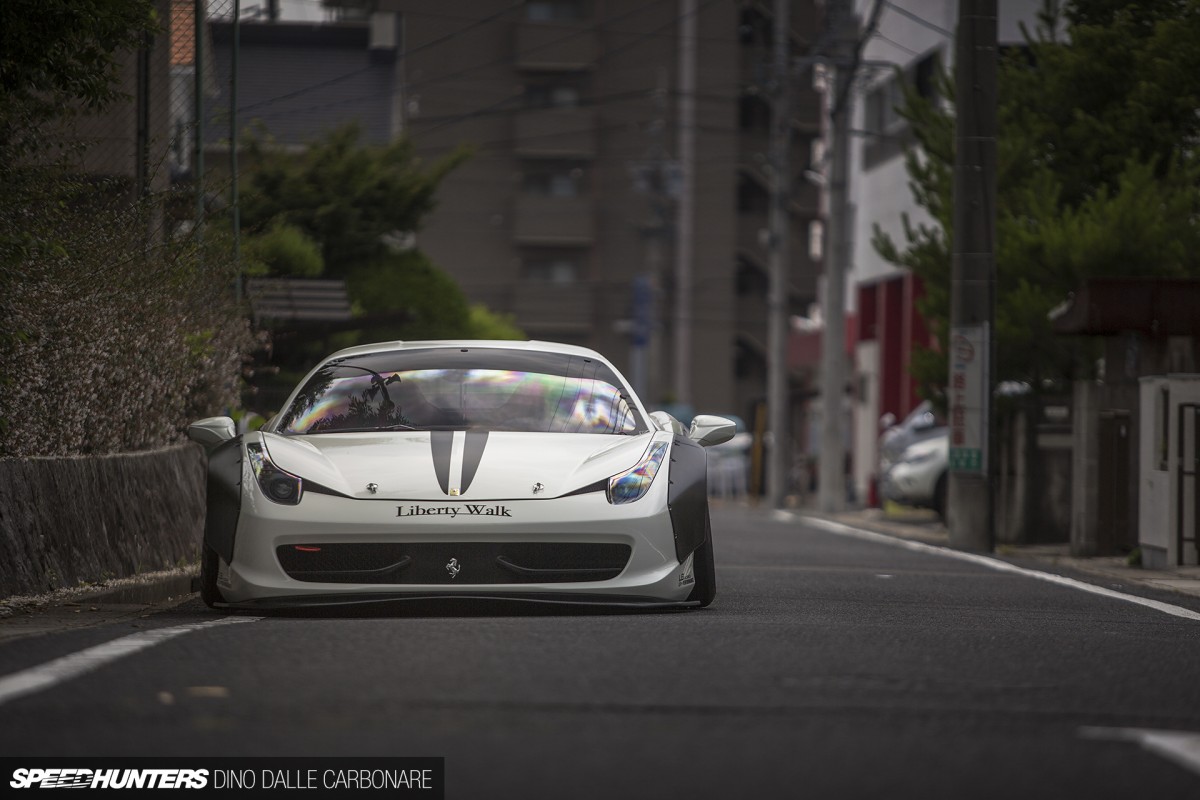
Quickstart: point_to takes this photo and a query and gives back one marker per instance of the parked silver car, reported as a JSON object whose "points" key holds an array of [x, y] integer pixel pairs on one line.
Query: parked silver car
{"points": [[920, 424], [918, 477]]}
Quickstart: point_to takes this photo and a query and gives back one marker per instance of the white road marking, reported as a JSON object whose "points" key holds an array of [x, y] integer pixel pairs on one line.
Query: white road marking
{"points": [[61, 670], [1179, 747], [998, 565]]}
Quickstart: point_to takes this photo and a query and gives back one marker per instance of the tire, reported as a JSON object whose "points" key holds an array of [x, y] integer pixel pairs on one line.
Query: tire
{"points": [[704, 570], [939, 496], [209, 593]]}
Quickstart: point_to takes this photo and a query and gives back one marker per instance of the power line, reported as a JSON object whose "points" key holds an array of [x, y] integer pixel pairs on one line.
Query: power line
{"points": [[917, 18], [714, 39], [368, 68], [516, 56], [495, 109], [606, 55], [895, 44], [450, 76]]}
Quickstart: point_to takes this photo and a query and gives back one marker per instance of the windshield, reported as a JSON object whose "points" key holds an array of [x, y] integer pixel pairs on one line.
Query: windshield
{"points": [[463, 389]]}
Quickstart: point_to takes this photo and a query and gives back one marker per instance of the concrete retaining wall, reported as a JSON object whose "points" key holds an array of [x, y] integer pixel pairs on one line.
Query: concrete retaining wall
{"points": [[67, 520]]}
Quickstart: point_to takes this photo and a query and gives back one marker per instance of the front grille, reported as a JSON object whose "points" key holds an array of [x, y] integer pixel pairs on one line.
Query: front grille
{"points": [[453, 563]]}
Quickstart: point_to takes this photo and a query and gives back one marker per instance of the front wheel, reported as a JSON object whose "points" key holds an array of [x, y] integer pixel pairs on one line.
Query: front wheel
{"points": [[209, 566], [704, 570]]}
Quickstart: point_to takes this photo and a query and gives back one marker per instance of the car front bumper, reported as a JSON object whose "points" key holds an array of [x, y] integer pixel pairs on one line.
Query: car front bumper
{"points": [[652, 575]]}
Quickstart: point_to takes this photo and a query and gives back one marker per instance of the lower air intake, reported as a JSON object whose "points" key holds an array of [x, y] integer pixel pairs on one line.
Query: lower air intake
{"points": [[457, 563]]}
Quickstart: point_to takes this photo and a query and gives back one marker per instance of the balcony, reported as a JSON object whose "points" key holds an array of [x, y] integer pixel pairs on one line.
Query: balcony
{"points": [[556, 133], [556, 47], [542, 306], [548, 220], [751, 245]]}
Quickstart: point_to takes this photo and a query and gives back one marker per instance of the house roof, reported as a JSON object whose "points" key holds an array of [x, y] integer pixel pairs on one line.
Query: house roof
{"points": [[1111, 306]]}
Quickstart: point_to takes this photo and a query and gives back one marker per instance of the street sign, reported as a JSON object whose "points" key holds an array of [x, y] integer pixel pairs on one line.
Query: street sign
{"points": [[969, 397]]}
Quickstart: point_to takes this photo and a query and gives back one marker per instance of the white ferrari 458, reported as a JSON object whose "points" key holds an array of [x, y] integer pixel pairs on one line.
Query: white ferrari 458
{"points": [[510, 470]]}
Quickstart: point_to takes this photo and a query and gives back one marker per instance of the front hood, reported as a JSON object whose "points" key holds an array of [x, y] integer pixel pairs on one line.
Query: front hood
{"points": [[423, 465]]}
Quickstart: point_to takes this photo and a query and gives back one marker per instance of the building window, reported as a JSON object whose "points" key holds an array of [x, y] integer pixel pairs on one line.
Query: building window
{"points": [[560, 92], [750, 280], [558, 269], [557, 10], [816, 240], [555, 179], [816, 154], [754, 27], [883, 103], [925, 73], [752, 197], [754, 113]]}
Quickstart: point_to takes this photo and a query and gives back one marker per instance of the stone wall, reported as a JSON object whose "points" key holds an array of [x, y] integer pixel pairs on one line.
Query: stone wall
{"points": [[64, 521]]}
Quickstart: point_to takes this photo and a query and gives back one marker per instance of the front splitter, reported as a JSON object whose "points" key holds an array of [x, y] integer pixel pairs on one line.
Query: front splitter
{"points": [[323, 601]]}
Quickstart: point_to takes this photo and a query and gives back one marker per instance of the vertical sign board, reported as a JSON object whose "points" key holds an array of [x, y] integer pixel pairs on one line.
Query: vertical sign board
{"points": [[969, 352]]}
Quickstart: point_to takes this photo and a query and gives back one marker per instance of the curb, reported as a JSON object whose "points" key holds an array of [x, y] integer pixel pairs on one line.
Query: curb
{"points": [[147, 589], [1185, 581]]}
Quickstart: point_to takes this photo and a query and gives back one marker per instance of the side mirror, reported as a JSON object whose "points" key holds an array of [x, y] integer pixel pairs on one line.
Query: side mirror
{"points": [[668, 423], [708, 430], [212, 431], [887, 421], [925, 422]]}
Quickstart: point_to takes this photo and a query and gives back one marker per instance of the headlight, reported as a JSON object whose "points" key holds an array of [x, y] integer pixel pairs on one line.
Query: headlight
{"points": [[633, 483], [282, 487]]}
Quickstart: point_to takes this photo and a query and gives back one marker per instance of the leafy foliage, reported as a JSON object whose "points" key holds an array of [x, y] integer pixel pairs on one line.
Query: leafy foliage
{"points": [[359, 205], [114, 337], [57, 58], [282, 249], [1097, 175], [488, 324], [409, 281], [347, 196]]}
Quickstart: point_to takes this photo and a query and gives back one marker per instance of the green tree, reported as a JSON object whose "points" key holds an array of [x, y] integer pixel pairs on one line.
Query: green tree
{"points": [[351, 198], [488, 324], [358, 205], [282, 249], [408, 281], [59, 58], [1097, 175]]}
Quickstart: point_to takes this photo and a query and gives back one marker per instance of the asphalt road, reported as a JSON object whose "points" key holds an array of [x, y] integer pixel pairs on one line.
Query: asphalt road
{"points": [[827, 667]]}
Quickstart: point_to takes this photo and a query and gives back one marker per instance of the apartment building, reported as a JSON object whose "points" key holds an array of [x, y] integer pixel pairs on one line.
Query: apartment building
{"points": [[580, 114]]}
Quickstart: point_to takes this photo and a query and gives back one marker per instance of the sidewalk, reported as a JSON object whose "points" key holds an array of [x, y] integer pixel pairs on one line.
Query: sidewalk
{"points": [[924, 526], [126, 600]]}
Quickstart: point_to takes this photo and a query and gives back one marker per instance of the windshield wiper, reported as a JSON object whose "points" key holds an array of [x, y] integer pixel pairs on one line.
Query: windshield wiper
{"points": [[399, 426]]}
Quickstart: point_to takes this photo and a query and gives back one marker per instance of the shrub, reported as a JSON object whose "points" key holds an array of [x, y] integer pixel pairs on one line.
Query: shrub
{"points": [[114, 335]]}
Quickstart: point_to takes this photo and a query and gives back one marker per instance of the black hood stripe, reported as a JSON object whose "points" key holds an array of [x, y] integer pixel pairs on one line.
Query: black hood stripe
{"points": [[441, 443], [472, 455]]}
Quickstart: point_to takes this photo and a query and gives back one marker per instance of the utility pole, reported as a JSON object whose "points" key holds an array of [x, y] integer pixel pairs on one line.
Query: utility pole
{"points": [[198, 22], [778, 393], [685, 215], [653, 177], [970, 495], [234, 202], [848, 44], [831, 485]]}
